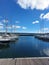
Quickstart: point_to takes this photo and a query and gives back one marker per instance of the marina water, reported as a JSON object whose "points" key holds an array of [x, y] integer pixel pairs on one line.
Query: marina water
{"points": [[25, 46]]}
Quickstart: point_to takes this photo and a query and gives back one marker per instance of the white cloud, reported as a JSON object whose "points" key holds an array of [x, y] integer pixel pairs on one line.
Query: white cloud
{"points": [[45, 16], [18, 26], [9, 27], [39, 31], [5, 20], [17, 22], [13, 26], [41, 16], [45, 29], [24, 28], [46, 51], [2, 30], [38, 4], [1, 27], [1, 24], [35, 22]]}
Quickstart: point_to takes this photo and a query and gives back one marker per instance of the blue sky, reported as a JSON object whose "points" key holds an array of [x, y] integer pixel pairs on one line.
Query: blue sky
{"points": [[24, 15]]}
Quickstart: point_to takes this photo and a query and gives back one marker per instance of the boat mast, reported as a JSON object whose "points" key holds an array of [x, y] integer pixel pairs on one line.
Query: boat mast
{"points": [[14, 27], [11, 28], [6, 25]]}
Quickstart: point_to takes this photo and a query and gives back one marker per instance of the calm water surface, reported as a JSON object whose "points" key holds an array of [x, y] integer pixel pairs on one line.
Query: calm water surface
{"points": [[25, 46]]}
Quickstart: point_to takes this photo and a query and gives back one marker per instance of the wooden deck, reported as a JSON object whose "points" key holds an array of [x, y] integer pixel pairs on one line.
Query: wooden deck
{"points": [[31, 61]]}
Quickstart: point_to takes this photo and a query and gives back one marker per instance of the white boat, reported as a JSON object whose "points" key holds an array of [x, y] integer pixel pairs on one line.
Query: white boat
{"points": [[8, 38], [4, 39], [13, 36]]}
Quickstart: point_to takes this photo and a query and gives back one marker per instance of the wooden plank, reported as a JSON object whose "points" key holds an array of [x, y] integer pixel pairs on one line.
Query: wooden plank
{"points": [[7, 62], [24, 61]]}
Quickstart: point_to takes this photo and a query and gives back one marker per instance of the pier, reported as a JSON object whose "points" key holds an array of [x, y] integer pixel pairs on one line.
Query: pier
{"points": [[25, 61]]}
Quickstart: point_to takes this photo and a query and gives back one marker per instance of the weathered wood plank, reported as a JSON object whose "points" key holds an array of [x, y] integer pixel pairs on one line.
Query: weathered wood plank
{"points": [[24, 61], [7, 62]]}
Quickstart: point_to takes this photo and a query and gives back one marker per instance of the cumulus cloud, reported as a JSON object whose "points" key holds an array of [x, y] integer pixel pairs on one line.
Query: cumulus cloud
{"points": [[18, 26], [2, 30], [45, 16], [9, 27], [17, 22], [13, 26], [41, 16], [37, 4], [35, 22], [5, 20], [46, 51], [24, 28], [1, 27], [1, 24], [45, 29]]}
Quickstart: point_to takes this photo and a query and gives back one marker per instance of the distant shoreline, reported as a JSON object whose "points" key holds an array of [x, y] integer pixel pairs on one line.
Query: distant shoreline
{"points": [[26, 34]]}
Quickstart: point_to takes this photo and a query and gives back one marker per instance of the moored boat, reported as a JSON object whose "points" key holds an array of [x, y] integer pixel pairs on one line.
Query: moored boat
{"points": [[4, 39], [42, 37], [8, 38]]}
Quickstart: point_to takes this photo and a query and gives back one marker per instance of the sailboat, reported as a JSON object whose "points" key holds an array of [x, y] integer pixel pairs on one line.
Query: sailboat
{"points": [[13, 36], [4, 39], [7, 38]]}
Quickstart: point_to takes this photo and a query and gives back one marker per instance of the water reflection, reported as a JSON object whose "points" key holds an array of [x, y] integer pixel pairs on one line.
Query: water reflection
{"points": [[43, 39], [45, 51], [24, 46], [4, 46], [7, 45]]}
